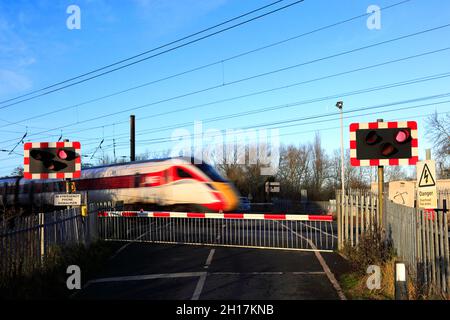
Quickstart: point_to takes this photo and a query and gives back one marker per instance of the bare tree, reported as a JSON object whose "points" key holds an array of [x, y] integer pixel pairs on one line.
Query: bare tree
{"points": [[439, 133], [147, 155], [18, 171], [319, 166], [354, 177], [395, 173], [293, 172]]}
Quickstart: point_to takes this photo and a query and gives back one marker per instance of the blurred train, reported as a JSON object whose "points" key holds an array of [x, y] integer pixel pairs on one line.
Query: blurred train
{"points": [[171, 184]]}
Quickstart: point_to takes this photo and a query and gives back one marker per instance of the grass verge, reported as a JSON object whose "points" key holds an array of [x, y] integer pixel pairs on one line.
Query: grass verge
{"points": [[371, 250], [49, 281]]}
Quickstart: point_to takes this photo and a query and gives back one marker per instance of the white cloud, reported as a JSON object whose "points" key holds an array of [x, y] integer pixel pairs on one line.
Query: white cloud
{"points": [[15, 57], [13, 82]]}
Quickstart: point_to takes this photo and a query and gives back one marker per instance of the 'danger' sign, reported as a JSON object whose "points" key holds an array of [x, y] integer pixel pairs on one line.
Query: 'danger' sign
{"points": [[426, 184]]}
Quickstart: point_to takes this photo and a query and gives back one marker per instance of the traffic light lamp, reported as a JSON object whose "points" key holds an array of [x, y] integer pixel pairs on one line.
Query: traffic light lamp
{"points": [[383, 143], [52, 160]]}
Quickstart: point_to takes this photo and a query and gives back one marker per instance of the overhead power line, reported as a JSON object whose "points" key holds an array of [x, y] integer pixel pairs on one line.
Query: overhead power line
{"points": [[151, 56], [321, 116], [284, 106], [416, 116], [335, 119], [274, 123], [221, 61], [300, 83]]}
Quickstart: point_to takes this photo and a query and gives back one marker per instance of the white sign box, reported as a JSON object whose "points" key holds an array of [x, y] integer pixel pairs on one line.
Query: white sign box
{"points": [[402, 192], [67, 199], [426, 184]]}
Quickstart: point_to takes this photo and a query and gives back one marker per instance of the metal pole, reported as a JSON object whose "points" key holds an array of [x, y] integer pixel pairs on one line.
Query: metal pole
{"points": [[340, 106], [428, 154], [132, 138]]}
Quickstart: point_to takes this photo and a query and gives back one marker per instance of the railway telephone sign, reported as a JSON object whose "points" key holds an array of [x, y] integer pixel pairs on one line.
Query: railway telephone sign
{"points": [[67, 199], [272, 187], [52, 160], [383, 143], [426, 184]]}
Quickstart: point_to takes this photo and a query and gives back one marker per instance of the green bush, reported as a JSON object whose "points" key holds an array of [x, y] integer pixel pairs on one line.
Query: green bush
{"points": [[372, 249]]}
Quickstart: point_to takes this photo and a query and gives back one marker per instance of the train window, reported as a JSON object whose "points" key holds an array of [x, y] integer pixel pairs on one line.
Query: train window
{"points": [[183, 174], [25, 188], [210, 172], [137, 180]]}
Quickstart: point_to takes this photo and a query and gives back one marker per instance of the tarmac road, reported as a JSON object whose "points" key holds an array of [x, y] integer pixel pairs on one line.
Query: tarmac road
{"points": [[189, 272]]}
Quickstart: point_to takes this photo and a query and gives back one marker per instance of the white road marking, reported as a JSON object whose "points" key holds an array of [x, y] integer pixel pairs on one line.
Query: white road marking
{"points": [[210, 257], [199, 287], [202, 279], [202, 276], [149, 277], [268, 273], [320, 230], [324, 265], [126, 245]]}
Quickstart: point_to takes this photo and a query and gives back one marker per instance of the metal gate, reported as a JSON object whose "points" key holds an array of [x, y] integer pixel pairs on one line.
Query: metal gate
{"points": [[275, 231]]}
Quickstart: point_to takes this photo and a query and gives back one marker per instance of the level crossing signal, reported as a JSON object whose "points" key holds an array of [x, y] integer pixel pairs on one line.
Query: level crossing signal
{"points": [[52, 160], [383, 143]]}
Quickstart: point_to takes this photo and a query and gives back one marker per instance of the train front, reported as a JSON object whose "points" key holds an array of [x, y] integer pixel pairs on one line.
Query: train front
{"points": [[227, 196]]}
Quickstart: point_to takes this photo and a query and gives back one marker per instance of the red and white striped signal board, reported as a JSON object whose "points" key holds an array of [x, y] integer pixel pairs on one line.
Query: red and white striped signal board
{"points": [[383, 143], [52, 160]]}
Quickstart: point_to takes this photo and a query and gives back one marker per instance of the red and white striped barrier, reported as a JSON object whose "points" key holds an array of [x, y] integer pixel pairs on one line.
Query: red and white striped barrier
{"points": [[249, 216]]}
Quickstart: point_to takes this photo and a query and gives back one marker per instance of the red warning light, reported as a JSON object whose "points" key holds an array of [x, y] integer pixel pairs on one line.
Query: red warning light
{"points": [[62, 154], [388, 149], [372, 138], [402, 136]]}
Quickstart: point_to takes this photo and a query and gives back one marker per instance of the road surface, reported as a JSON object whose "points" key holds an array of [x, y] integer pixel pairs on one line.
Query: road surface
{"points": [[189, 272]]}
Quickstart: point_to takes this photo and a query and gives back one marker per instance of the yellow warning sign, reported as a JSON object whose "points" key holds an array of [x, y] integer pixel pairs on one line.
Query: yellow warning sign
{"points": [[426, 178], [426, 185]]}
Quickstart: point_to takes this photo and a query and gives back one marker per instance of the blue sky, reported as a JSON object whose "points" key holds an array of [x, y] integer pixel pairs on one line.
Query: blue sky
{"points": [[37, 50]]}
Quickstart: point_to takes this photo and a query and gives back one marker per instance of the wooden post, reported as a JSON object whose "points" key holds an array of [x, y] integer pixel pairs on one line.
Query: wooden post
{"points": [[380, 196], [132, 138]]}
